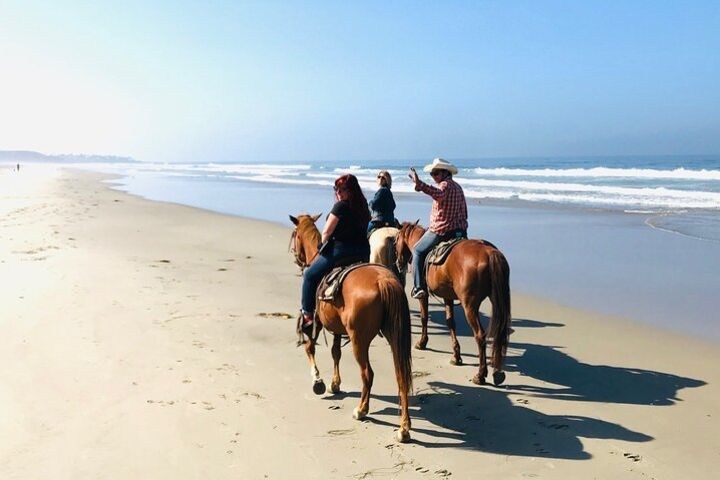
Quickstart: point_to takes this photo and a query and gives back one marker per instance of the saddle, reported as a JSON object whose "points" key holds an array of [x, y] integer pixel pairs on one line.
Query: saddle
{"points": [[439, 254], [331, 284]]}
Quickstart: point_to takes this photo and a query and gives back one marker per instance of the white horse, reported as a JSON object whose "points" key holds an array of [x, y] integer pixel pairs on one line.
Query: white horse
{"points": [[382, 249]]}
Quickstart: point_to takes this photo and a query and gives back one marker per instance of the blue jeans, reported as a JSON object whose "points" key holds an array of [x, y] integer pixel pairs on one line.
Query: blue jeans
{"points": [[322, 265], [420, 251]]}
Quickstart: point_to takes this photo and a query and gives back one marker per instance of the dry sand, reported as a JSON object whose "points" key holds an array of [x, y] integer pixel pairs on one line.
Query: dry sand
{"points": [[133, 347]]}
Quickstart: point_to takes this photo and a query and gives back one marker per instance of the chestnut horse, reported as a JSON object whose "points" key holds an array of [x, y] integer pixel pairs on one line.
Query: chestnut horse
{"points": [[473, 271], [372, 301]]}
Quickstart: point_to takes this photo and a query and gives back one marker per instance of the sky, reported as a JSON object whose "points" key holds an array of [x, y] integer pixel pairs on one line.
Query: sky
{"points": [[302, 81]]}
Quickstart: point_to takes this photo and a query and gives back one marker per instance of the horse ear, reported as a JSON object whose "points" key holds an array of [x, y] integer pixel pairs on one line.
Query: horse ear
{"points": [[416, 222], [315, 217], [293, 219]]}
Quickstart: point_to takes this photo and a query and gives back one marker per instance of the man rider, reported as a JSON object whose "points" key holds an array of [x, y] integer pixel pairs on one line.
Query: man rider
{"points": [[448, 216]]}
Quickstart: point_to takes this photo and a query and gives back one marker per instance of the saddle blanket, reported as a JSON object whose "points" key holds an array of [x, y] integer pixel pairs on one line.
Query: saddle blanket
{"points": [[438, 254]]}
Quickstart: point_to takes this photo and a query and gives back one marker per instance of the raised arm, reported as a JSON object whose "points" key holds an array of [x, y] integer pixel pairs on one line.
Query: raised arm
{"points": [[437, 193]]}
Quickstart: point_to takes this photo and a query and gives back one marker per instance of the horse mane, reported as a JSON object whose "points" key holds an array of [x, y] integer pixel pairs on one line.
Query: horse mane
{"points": [[409, 227]]}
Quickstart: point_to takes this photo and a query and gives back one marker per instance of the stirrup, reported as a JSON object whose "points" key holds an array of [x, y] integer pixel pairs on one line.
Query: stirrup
{"points": [[418, 293]]}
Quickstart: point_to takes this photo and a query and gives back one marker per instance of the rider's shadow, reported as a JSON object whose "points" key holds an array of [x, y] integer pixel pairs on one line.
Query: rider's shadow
{"points": [[486, 419], [578, 381]]}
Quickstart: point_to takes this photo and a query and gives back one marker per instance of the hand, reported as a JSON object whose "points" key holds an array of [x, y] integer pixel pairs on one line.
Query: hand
{"points": [[414, 176]]}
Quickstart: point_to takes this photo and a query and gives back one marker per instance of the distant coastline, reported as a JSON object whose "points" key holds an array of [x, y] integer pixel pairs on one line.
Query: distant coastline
{"points": [[28, 156]]}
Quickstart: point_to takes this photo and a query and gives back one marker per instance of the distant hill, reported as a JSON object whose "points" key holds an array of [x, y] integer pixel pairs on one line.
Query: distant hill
{"points": [[22, 156]]}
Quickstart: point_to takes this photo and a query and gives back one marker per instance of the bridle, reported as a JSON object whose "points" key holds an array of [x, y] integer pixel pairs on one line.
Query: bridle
{"points": [[293, 249]]}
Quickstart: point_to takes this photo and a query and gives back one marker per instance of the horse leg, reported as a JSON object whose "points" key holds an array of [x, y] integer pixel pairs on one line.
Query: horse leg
{"points": [[422, 343], [471, 313], [450, 319], [336, 353], [318, 384], [360, 348]]}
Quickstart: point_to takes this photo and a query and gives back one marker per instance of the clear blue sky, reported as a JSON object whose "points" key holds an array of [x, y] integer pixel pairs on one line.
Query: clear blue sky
{"points": [[300, 81]]}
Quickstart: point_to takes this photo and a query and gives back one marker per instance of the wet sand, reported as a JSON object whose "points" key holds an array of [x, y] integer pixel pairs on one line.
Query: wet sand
{"points": [[135, 346]]}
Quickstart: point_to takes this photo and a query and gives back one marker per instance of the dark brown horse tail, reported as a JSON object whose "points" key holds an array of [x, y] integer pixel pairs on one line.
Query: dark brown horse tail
{"points": [[500, 298], [396, 328]]}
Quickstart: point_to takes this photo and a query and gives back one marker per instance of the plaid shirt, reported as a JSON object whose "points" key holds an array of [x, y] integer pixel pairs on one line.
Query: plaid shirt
{"points": [[449, 209]]}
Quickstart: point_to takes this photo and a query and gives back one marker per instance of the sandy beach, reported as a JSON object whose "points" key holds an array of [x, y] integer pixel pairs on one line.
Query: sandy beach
{"points": [[142, 339]]}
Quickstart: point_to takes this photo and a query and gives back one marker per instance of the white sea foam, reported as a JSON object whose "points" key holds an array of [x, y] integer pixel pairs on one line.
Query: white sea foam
{"points": [[479, 188], [603, 172]]}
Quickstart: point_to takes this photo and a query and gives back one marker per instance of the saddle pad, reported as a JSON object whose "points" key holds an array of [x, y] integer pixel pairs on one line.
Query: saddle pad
{"points": [[331, 284], [438, 254]]}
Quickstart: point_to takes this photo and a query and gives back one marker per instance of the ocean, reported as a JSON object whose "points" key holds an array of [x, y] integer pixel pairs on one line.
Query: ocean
{"points": [[635, 237]]}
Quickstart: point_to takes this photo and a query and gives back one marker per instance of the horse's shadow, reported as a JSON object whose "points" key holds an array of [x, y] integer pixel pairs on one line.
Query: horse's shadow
{"points": [[485, 419], [578, 381], [572, 379]]}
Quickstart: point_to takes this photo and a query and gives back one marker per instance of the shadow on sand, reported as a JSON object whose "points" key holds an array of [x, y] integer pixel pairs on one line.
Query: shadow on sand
{"points": [[496, 420], [485, 419]]}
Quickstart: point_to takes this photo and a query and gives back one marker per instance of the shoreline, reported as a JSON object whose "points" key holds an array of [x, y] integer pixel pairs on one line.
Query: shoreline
{"points": [[605, 262], [135, 349], [618, 320]]}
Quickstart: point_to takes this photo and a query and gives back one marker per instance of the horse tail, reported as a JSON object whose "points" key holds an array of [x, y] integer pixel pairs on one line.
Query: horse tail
{"points": [[500, 298], [396, 328]]}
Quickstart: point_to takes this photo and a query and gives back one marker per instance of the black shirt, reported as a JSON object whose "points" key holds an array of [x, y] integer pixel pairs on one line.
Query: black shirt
{"points": [[349, 230]]}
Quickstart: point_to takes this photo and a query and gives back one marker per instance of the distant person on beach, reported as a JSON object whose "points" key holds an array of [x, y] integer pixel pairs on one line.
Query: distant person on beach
{"points": [[448, 216], [382, 206], [344, 237], [18, 167]]}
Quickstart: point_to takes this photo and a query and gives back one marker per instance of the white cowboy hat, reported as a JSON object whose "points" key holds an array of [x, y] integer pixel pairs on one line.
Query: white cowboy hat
{"points": [[441, 164]]}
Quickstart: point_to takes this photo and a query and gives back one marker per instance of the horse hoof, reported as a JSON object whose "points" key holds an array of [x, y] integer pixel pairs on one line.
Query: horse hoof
{"points": [[319, 387], [478, 380], [403, 436], [456, 361], [335, 388], [421, 345], [358, 414], [498, 378]]}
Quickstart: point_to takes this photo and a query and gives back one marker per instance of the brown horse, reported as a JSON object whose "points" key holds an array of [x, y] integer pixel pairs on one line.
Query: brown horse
{"points": [[372, 301], [473, 271]]}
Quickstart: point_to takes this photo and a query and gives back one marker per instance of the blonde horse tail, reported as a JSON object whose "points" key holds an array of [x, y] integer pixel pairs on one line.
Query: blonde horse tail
{"points": [[396, 328], [500, 298]]}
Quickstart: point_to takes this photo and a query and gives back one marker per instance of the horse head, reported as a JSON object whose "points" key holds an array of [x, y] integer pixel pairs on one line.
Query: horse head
{"points": [[404, 241], [305, 238]]}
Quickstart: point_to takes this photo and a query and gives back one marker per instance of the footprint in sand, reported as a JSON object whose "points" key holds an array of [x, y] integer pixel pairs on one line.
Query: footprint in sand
{"points": [[632, 456], [275, 315], [338, 433]]}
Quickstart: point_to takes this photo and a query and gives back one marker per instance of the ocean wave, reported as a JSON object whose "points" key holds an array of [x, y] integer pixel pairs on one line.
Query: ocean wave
{"points": [[603, 172]]}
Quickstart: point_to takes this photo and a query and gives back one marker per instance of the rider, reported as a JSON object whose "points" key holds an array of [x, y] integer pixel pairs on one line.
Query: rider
{"points": [[343, 237], [448, 216], [382, 206]]}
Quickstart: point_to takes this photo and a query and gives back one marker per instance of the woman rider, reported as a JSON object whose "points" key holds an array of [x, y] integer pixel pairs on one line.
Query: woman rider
{"points": [[382, 206], [344, 237]]}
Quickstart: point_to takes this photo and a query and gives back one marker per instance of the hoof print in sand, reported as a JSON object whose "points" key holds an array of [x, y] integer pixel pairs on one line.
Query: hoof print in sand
{"points": [[632, 456], [275, 315]]}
